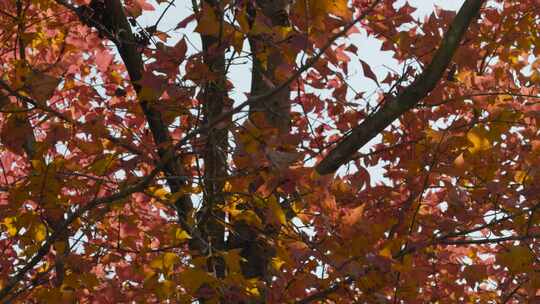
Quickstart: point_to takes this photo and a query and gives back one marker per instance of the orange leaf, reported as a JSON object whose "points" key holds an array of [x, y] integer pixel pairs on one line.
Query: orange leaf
{"points": [[208, 23]]}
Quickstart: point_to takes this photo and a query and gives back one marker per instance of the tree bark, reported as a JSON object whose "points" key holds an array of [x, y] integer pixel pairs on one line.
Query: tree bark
{"points": [[274, 109], [215, 100], [269, 112]]}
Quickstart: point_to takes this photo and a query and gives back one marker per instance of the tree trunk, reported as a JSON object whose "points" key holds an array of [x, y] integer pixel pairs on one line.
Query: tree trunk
{"points": [[273, 113], [214, 96]]}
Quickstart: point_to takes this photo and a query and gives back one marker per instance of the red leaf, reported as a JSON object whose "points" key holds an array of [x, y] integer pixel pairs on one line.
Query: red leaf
{"points": [[103, 60], [185, 22], [368, 72]]}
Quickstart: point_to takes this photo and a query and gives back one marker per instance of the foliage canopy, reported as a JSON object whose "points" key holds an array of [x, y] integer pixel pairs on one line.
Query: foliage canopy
{"points": [[130, 174]]}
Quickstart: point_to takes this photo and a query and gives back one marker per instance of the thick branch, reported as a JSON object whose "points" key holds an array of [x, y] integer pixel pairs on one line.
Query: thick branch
{"points": [[409, 98], [117, 28], [214, 97]]}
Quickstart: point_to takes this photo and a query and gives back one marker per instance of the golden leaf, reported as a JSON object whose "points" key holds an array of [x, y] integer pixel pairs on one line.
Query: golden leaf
{"points": [[165, 262], [478, 138], [192, 279], [181, 235], [39, 232], [159, 193], [276, 210], [521, 177], [11, 228], [386, 252], [277, 262]]}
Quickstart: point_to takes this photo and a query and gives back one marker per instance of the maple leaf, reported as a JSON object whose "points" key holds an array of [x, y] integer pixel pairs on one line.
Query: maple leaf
{"points": [[208, 23], [16, 141], [368, 72], [479, 140], [40, 85]]}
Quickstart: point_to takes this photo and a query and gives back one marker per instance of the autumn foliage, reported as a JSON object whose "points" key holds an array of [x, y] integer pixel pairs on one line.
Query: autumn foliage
{"points": [[134, 169]]}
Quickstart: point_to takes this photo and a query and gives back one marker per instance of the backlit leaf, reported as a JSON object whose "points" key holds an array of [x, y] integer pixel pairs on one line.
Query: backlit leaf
{"points": [[39, 232], [478, 138]]}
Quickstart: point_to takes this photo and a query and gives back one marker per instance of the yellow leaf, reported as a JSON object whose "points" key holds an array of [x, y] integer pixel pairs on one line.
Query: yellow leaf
{"points": [[517, 259], [89, 279], [159, 192], [238, 41], [478, 138], [192, 279], [319, 10], [277, 262], [169, 259], [196, 190], [433, 136], [276, 210], [45, 267], [243, 21], [181, 235], [11, 228], [521, 177], [253, 291], [405, 266], [232, 259], [101, 166], [165, 262], [252, 146], [386, 252], [157, 263], [338, 8], [39, 232], [50, 295], [165, 289], [227, 187]]}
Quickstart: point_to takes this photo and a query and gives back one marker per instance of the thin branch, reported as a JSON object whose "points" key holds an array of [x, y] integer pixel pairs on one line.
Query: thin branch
{"points": [[324, 293], [489, 240]]}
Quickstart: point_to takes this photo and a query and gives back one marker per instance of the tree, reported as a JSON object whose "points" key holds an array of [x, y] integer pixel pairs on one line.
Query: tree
{"points": [[129, 173]]}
